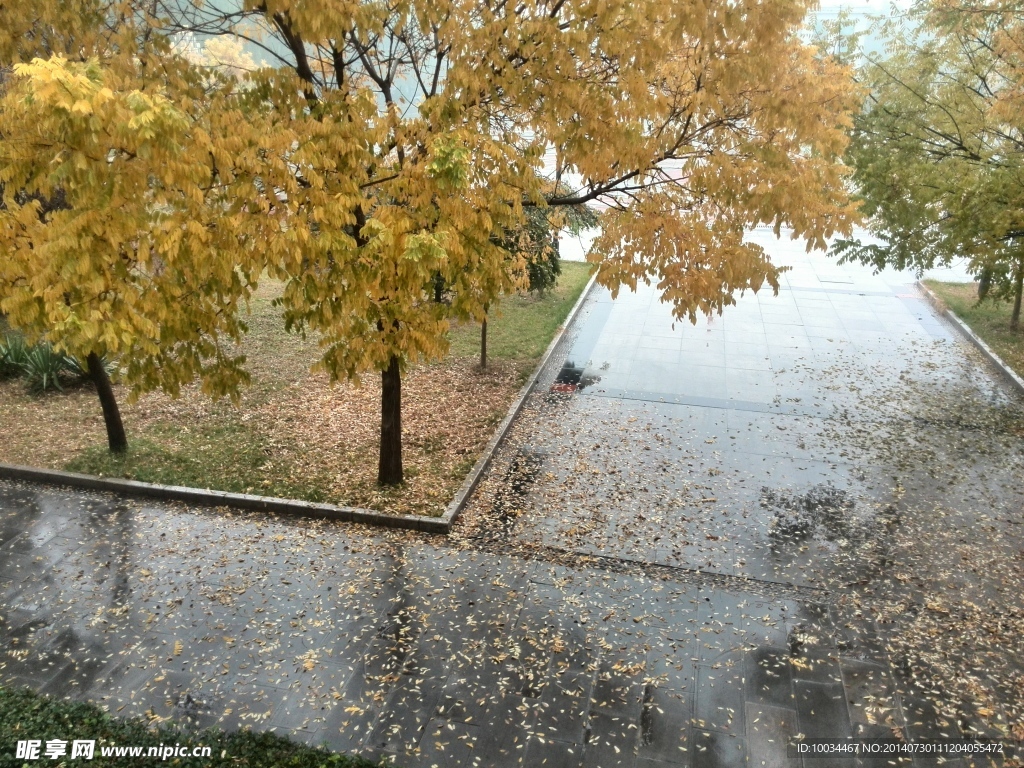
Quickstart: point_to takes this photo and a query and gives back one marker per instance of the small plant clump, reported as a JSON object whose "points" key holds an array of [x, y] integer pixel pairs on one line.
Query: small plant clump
{"points": [[44, 368], [25, 715], [13, 354]]}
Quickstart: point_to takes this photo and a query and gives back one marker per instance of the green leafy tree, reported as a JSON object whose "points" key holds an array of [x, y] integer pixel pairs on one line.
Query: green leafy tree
{"points": [[539, 240], [536, 241], [938, 148]]}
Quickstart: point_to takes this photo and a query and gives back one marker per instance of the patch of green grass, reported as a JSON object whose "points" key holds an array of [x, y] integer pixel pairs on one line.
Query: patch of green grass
{"points": [[521, 327], [227, 457], [25, 715], [275, 357], [462, 469], [990, 320]]}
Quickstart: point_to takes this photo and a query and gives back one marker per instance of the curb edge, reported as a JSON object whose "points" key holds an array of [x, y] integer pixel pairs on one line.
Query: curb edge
{"points": [[473, 478], [940, 307]]}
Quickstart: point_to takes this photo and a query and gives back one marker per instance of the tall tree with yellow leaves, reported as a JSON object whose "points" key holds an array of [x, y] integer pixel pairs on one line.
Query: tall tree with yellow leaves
{"points": [[130, 225], [720, 119], [416, 135]]}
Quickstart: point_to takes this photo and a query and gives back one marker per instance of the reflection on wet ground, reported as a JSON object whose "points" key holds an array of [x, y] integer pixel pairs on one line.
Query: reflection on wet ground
{"points": [[800, 518], [836, 437], [391, 645]]}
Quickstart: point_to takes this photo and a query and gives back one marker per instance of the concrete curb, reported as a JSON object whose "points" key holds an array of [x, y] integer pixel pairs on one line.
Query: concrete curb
{"points": [[1012, 378], [206, 497], [213, 498]]}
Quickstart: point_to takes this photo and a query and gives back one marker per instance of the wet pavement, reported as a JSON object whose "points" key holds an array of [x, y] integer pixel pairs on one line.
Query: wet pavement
{"points": [[798, 520], [838, 437], [394, 645], [764, 424]]}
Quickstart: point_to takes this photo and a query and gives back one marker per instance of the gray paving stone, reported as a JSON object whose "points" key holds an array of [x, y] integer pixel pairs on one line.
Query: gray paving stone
{"points": [[451, 743], [871, 693], [409, 708], [618, 685], [664, 724], [643, 762], [720, 698], [714, 749], [770, 677], [823, 710], [813, 664], [769, 732], [924, 722], [551, 753], [611, 741]]}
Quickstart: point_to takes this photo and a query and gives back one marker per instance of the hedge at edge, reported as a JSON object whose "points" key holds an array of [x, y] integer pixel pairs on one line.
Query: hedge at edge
{"points": [[26, 715]]}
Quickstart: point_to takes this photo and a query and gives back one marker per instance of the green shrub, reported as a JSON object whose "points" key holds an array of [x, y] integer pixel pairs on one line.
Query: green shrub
{"points": [[25, 715], [44, 368], [543, 269], [13, 353], [79, 369]]}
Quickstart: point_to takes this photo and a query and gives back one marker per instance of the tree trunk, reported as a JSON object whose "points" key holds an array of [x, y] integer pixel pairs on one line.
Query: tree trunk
{"points": [[1018, 288], [116, 438], [483, 338], [483, 343], [389, 469], [984, 284]]}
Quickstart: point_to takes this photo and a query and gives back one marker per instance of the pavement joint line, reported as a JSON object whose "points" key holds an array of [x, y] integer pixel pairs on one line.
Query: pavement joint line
{"points": [[208, 497], [696, 401], [688, 402], [682, 573], [1008, 374], [718, 579]]}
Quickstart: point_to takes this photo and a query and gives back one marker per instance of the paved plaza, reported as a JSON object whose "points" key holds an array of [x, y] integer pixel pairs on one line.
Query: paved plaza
{"points": [[801, 519]]}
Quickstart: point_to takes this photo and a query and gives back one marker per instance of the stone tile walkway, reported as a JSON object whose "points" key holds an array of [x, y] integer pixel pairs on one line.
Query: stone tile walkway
{"points": [[772, 524], [394, 645], [706, 417], [838, 436]]}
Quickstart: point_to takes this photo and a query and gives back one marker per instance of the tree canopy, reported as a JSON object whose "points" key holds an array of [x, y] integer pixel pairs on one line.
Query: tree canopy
{"points": [[384, 144], [938, 148]]}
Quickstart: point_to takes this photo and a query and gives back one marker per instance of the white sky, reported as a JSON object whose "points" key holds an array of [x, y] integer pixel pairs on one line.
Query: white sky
{"points": [[861, 7]]}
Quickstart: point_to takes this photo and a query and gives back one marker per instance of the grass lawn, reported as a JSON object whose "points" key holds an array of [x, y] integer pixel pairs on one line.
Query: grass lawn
{"points": [[990, 320], [294, 434]]}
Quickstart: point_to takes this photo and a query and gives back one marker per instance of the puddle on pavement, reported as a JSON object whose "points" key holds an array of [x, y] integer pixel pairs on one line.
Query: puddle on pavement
{"points": [[573, 378], [573, 375]]}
